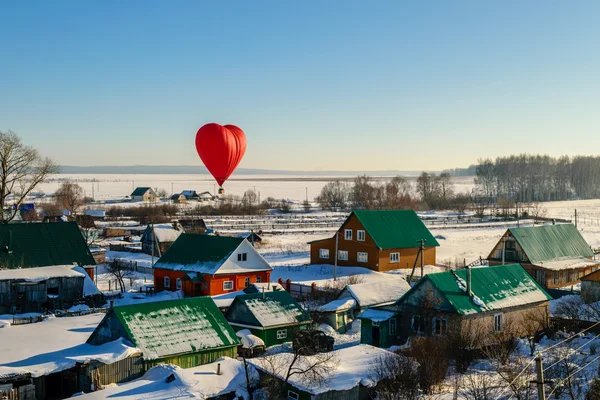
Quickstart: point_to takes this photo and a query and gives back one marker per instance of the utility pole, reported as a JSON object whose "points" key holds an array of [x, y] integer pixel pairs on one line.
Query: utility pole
{"points": [[172, 192], [422, 251], [540, 378], [575, 218], [307, 194], [92, 191]]}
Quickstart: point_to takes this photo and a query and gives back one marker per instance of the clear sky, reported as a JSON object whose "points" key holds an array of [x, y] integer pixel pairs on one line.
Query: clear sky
{"points": [[344, 85]]}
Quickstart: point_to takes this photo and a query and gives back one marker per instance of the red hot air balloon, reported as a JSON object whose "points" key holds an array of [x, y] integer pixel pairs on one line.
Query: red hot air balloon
{"points": [[221, 149]]}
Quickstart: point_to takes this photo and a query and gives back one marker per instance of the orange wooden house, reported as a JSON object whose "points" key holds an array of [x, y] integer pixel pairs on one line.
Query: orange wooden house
{"points": [[380, 240], [202, 265]]}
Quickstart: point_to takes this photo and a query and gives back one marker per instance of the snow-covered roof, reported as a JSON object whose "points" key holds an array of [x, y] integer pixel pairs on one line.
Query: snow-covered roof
{"points": [[376, 293], [344, 303], [199, 383], [55, 345], [166, 233], [568, 263], [267, 309], [89, 287], [41, 274], [376, 315], [249, 341], [352, 366], [96, 213]]}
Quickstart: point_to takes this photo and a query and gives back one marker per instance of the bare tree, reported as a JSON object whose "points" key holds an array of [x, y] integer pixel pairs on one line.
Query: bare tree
{"points": [[69, 196], [397, 377], [479, 386], [120, 270], [310, 370], [87, 226], [536, 211], [22, 169], [334, 195]]}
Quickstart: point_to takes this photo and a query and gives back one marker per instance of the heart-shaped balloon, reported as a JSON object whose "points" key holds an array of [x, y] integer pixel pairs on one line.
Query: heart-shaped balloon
{"points": [[221, 149]]}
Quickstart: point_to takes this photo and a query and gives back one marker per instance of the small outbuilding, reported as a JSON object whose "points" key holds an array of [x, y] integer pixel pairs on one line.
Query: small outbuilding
{"points": [[185, 332], [271, 316], [590, 287], [158, 238]]}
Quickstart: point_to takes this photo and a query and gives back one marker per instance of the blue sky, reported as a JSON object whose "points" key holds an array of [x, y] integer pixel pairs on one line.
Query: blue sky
{"points": [[344, 85]]}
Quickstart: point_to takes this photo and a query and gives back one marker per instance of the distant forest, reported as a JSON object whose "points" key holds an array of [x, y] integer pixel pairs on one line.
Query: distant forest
{"points": [[532, 178]]}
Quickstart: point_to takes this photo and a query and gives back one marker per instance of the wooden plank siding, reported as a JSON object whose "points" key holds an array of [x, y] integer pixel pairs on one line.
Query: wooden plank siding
{"points": [[27, 296]]}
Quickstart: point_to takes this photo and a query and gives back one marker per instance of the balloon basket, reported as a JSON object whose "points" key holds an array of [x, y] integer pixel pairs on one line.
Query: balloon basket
{"points": [[221, 190]]}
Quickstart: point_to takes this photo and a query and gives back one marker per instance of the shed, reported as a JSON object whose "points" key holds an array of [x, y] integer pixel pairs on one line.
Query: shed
{"points": [[341, 312], [555, 255], [272, 316], [590, 287], [251, 237], [185, 332], [163, 236]]}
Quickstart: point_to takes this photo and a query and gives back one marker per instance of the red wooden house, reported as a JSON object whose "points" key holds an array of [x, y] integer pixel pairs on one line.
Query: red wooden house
{"points": [[202, 265]]}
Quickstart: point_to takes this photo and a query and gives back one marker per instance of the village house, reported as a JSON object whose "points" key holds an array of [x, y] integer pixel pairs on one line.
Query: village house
{"points": [[341, 312], [193, 225], [555, 255], [116, 231], [481, 299], [157, 238], [353, 374], [178, 198], [271, 316], [201, 265], [40, 244], [205, 196], [185, 332], [379, 240], [190, 195], [146, 194], [27, 290]]}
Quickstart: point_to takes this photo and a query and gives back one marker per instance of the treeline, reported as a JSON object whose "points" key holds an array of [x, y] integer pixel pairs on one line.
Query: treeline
{"points": [[532, 178], [431, 192]]}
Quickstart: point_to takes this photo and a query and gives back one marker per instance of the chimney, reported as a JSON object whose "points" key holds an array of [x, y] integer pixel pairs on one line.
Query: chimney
{"points": [[553, 221], [263, 292], [218, 368], [469, 291]]}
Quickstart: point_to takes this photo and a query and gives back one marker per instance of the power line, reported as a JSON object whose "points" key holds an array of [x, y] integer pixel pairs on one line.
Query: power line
{"points": [[576, 372], [570, 354], [570, 337]]}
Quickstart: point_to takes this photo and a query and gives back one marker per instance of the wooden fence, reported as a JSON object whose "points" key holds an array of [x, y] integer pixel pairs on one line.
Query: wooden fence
{"points": [[27, 320]]}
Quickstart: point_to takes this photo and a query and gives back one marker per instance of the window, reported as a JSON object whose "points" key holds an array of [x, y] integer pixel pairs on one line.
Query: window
{"points": [[510, 245], [246, 282], [394, 257], [324, 253], [343, 255], [375, 323], [282, 334], [52, 292], [417, 324], [167, 282], [498, 322], [242, 256], [392, 327], [178, 283], [348, 234], [258, 279], [228, 285], [293, 395], [360, 236], [440, 326], [362, 257]]}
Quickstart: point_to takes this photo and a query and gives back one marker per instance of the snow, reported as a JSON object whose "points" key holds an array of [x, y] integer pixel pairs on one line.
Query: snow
{"points": [[142, 259], [376, 315], [270, 312], [40, 274], [568, 263], [55, 345], [225, 300], [249, 341], [89, 287], [573, 307], [322, 274], [377, 293], [351, 366], [342, 340], [199, 382], [338, 305], [166, 233]]}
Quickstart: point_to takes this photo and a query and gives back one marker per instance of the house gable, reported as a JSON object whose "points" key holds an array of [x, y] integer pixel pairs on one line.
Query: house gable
{"points": [[140, 191]]}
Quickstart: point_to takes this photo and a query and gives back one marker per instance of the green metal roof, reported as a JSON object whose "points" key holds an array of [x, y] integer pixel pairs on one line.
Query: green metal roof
{"points": [[197, 251], [495, 288], [139, 191], [166, 328], [274, 309], [43, 244], [551, 242], [395, 229]]}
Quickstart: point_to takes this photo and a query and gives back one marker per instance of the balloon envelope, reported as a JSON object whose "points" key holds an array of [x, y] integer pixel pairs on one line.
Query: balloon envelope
{"points": [[221, 149]]}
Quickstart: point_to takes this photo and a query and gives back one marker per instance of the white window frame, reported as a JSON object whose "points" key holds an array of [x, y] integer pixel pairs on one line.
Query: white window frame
{"points": [[282, 334], [392, 324], [324, 253], [227, 283], [443, 326], [242, 257], [347, 234], [362, 257], [416, 327], [360, 235], [343, 255], [247, 282], [394, 257], [258, 279], [498, 322], [167, 282], [178, 284], [293, 395]]}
